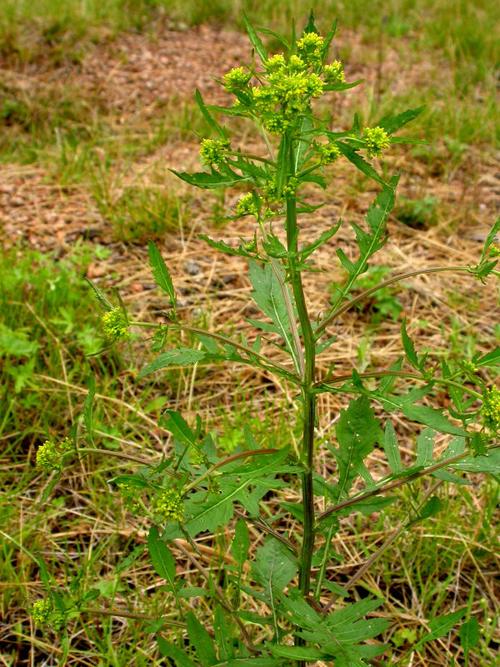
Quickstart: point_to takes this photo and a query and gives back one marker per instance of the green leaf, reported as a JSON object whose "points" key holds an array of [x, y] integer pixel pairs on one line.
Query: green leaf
{"points": [[490, 463], [391, 449], [392, 124], [296, 652], [241, 543], [161, 273], [489, 359], [101, 297], [208, 116], [430, 417], [168, 650], [357, 432], [321, 240], [270, 293], [425, 446], [409, 347], [343, 85], [328, 40], [440, 626], [240, 251], [183, 356], [174, 422], [161, 558], [360, 163], [88, 407], [255, 39], [15, 343], [208, 181], [469, 634], [431, 508], [201, 640], [274, 567]]}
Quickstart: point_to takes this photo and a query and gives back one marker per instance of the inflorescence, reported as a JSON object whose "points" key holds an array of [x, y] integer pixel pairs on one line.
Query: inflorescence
{"points": [[169, 505], [115, 324], [490, 411], [50, 455]]}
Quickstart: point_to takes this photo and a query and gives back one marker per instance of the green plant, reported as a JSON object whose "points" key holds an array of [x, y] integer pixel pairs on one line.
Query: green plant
{"points": [[279, 605]]}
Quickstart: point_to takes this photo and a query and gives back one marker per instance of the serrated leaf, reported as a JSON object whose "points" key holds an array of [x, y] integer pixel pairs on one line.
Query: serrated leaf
{"points": [[391, 449], [241, 542], [168, 650], [274, 567], [489, 359], [440, 626], [255, 39], [489, 463], [321, 240], [208, 116], [431, 417], [425, 446], [469, 634], [357, 432], [210, 180], [409, 347], [224, 247], [270, 293], [360, 163], [297, 652], [161, 273], [394, 123], [201, 640], [175, 423], [161, 558], [182, 356]]}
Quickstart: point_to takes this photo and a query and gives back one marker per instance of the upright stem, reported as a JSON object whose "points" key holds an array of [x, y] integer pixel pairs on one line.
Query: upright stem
{"points": [[308, 394]]}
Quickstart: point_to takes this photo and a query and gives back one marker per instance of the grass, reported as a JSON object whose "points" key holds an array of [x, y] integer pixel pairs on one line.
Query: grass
{"points": [[49, 319]]}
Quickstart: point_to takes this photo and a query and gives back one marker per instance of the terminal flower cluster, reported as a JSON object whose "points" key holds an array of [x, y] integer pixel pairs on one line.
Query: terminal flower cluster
{"points": [[376, 140], [491, 409], [114, 324], [169, 505], [50, 455], [214, 151], [43, 613]]}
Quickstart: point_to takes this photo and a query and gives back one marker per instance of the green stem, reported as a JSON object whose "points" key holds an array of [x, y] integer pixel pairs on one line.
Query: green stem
{"points": [[308, 393]]}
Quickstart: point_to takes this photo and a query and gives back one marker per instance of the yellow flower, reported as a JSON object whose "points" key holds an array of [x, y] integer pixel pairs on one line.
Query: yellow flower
{"points": [[114, 324], [169, 505]]}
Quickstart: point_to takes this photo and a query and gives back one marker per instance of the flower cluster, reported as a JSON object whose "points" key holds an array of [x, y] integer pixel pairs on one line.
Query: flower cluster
{"points": [[246, 205], [41, 611], [328, 152], [130, 497], [334, 72], [310, 48], [169, 505], [236, 79], [214, 151], [114, 324], [376, 140], [49, 456], [490, 411]]}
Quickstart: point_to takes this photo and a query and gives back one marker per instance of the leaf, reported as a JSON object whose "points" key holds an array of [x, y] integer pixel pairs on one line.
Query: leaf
{"points": [[88, 407], [425, 446], [269, 293], [255, 39], [321, 240], [440, 626], [357, 432], [182, 356], [393, 123], [174, 422], [409, 347], [208, 116], [469, 634], [490, 359], [431, 507], [241, 543], [490, 463], [203, 179], [201, 640], [391, 449], [343, 85], [15, 343], [430, 417], [360, 163], [161, 273], [161, 558], [240, 251], [274, 567], [168, 650], [101, 297], [297, 652], [328, 40]]}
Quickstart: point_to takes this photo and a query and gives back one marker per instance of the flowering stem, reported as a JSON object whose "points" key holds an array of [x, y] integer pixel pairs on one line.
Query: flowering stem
{"points": [[308, 394]]}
